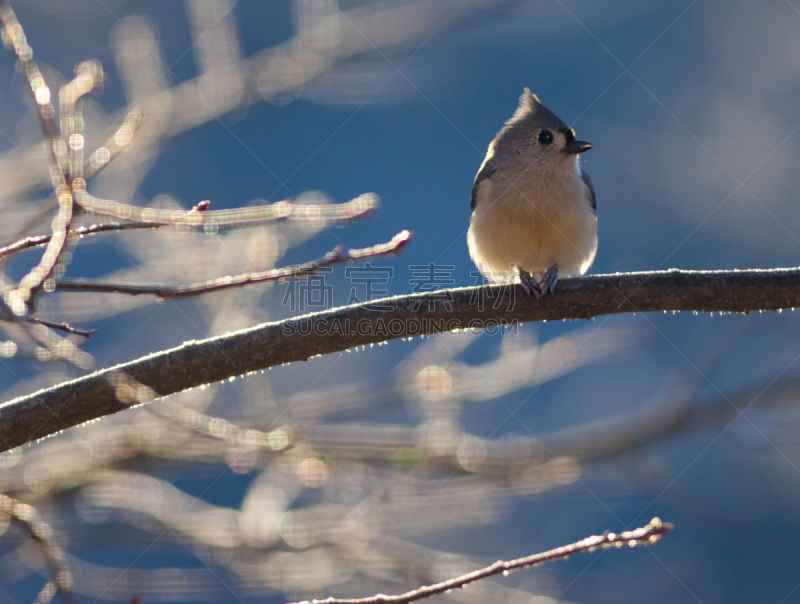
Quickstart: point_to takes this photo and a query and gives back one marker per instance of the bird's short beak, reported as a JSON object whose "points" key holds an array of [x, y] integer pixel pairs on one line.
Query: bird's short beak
{"points": [[577, 147]]}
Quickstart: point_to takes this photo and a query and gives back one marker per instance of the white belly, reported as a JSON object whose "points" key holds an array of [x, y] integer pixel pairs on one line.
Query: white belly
{"points": [[533, 232]]}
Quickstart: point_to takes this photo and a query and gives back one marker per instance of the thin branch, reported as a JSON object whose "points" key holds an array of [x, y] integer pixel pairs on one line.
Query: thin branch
{"points": [[220, 429], [81, 232], [21, 298], [590, 441], [40, 240], [337, 256], [15, 40], [54, 347], [121, 139], [259, 69], [88, 78], [300, 338], [38, 530], [86, 333], [66, 147], [46, 594], [641, 536], [6, 314], [40, 212], [281, 210]]}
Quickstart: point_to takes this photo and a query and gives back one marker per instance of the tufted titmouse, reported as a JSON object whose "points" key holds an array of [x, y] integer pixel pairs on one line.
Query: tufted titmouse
{"points": [[533, 207]]}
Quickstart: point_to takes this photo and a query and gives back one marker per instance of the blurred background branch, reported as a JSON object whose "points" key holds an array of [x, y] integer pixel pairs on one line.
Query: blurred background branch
{"points": [[40, 532], [645, 535]]}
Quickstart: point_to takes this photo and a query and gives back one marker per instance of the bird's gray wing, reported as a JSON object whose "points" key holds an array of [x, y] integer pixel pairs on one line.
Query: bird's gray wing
{"points": [[588, 182], [487, 171]]}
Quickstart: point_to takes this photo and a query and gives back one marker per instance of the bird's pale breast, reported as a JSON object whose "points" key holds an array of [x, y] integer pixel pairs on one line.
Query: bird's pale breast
{"points": [[531, 226]]}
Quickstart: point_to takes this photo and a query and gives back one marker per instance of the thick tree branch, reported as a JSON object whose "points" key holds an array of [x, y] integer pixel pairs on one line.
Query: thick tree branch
{"points": [[645, 535], [300, 338]]}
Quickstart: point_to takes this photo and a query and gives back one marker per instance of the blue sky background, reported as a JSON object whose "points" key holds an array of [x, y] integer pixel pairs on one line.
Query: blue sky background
{"points": [[693, 111]]}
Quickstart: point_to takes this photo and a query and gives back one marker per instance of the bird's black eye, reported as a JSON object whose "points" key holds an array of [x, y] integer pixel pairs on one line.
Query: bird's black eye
{"points": [[545, 137]]}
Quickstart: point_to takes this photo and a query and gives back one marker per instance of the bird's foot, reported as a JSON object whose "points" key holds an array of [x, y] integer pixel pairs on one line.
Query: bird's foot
{"points": [[529, 284], [549, 280], [532, 287]]}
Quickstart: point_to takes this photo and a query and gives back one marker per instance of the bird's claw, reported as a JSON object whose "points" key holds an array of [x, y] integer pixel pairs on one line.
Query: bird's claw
{"points": [[529, 284], [549, 280], [547, 284]]}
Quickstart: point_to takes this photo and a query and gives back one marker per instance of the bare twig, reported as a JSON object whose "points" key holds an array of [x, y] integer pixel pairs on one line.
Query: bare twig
{"points": [[21, 298], [281, 210], [88, 78], [337, 256], [6, 314], [14, 38], [38, 530], [46, 594], [588, 442], [54, 347], [95, 229], [641, 536], [186, 109], [64, 327], [217, 428], [44, 209], [114, 145], [66, 147]]}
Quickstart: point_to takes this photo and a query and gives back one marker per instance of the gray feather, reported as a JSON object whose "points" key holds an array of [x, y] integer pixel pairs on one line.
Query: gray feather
{"points": [[592, 196], [531, 116], [487, 171]]}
